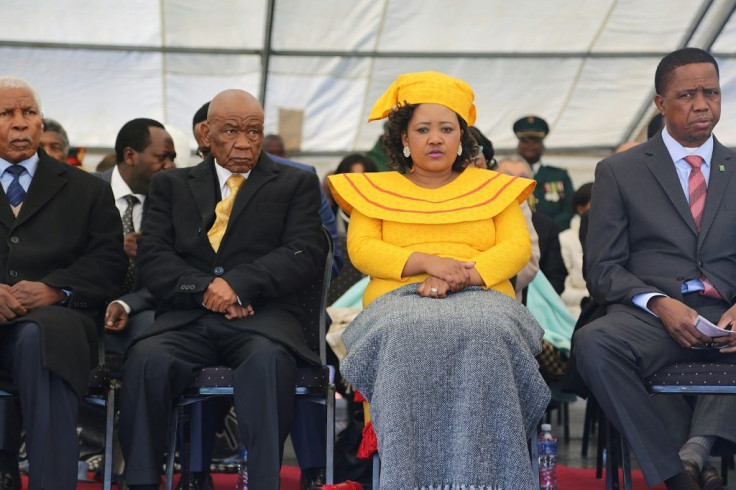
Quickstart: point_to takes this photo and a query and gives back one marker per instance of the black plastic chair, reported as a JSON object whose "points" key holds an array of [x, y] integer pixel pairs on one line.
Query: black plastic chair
{"points": [[101, 393], [312, 382], [681, 378]]}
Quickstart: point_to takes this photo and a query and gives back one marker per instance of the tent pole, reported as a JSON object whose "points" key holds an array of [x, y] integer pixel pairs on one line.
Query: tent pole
{"points": [[266, 54]]}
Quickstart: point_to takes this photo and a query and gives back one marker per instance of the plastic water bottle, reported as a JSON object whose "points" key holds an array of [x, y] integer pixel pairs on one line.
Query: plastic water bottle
{"points": [[547, 446], [242, 482]]}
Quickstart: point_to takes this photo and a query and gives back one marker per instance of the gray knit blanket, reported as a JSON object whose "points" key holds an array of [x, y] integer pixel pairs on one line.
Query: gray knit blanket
{"points": [[454, 387]]}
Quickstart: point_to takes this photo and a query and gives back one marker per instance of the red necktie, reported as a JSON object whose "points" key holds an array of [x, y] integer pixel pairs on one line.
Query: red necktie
{"points": [[697, 190]]}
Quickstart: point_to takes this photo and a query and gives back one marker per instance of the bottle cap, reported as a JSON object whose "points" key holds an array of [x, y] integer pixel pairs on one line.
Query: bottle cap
{"points": [[546, 427]]}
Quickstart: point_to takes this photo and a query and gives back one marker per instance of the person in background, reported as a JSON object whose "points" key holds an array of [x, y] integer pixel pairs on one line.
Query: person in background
{"points": [[107, 162], [352, 163], [378, 154], [199, 119], [655, 125], [550, 258], [54, 140], [273, 144], [143, 148], [440, 241], [572, 253], [483, 155], [554, 188]]}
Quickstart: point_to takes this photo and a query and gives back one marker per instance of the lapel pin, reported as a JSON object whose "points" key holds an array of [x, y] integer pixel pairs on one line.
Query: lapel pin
{"points": [[721, 168]]}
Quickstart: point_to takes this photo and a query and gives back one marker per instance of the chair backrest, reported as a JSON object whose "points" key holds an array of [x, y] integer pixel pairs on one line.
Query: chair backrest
{"points": [[313, 300]]}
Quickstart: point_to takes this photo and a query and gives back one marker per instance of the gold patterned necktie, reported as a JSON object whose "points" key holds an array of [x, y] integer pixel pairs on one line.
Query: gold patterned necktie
{"points": [[223, 210]]}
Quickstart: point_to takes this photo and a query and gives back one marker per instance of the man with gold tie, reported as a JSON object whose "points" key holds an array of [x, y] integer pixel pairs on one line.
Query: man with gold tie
{"points": [[225, 247]]}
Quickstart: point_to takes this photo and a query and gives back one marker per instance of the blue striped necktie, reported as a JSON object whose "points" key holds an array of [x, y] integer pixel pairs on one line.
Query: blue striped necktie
{"points": [[15, 191]]}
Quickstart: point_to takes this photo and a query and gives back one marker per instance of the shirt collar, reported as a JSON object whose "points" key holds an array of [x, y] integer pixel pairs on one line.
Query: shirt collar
{"points": [[120, 188], [678, 152], [223, 174], [30, 164]]}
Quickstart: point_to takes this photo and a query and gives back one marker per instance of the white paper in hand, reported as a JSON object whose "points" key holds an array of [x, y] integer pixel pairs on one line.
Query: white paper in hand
{"points": [[711, 330]]}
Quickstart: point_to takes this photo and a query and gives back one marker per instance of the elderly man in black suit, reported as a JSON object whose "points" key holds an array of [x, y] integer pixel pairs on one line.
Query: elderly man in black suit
{"points": [[143, 147], [59, 268], [661, 250], [226, 246]]}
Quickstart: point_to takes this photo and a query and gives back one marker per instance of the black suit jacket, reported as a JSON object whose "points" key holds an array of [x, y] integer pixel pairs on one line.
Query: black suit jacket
{"points": [[550, 258], [273, 247], [139, 298], [642, 237], [67, 235]]}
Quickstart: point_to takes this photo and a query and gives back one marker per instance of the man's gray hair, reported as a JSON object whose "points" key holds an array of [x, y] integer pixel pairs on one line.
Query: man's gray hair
{"points": [[9, 81]]}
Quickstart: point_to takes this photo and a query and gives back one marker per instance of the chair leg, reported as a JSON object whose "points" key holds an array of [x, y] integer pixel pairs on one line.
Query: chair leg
{"points": [[587, 427], [376, 471], [186, 446], [173, 427], [724, 468], [534, 450], [625, 463], [601, 445], [612, 455], [330, 441], [109, 426]]}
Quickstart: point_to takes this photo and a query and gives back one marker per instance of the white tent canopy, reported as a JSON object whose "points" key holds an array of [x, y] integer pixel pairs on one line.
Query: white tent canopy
{"points": [[586, 67]]}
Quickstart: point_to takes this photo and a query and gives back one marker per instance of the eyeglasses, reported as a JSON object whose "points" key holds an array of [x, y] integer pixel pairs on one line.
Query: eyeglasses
{"points": [[477, 151]]}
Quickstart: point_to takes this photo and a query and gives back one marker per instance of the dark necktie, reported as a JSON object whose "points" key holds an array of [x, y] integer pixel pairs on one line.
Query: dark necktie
{"points": [[698, 190], [15, 191], [129, 227]]}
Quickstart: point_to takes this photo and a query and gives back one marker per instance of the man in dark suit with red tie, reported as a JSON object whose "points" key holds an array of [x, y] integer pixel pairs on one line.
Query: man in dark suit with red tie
{"points": [[661, 250], [58, 270], [225, 247]]}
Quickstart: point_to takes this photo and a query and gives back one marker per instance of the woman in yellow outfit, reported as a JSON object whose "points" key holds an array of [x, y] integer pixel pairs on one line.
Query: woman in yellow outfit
{"points": [[442, 350]]}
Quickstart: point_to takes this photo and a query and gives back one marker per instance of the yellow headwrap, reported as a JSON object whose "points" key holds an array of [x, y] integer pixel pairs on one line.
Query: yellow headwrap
{"points": [[427, 87]]}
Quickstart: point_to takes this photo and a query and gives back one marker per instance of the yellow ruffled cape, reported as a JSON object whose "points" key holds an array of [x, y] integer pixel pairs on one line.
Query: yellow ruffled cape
{"points": [[474, 195]]}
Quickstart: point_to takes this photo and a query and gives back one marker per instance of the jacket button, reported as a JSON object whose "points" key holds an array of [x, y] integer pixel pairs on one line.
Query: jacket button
{"points": [[219, 270], [13, 273], [700, 263], [14, 239]]}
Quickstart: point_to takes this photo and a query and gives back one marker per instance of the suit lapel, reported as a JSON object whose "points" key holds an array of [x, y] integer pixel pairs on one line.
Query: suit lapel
{"points": [[264, 171], [204, 188], [717, 185], [660, 163], [47, 182], [6, 214]]}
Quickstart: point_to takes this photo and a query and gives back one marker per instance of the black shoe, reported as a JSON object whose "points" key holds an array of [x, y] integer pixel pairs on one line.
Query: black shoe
{"points": [[198, 481], [313, 478], [10, 481], [710, 479]]}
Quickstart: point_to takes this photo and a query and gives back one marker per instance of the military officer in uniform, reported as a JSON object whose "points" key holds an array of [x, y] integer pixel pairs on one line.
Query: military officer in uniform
{"points": [[554, 189]]}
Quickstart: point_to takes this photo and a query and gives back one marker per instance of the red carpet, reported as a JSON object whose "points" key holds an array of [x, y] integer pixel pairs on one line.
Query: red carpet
{"points": [[290, 480], [584, 479], [568, 479]]}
